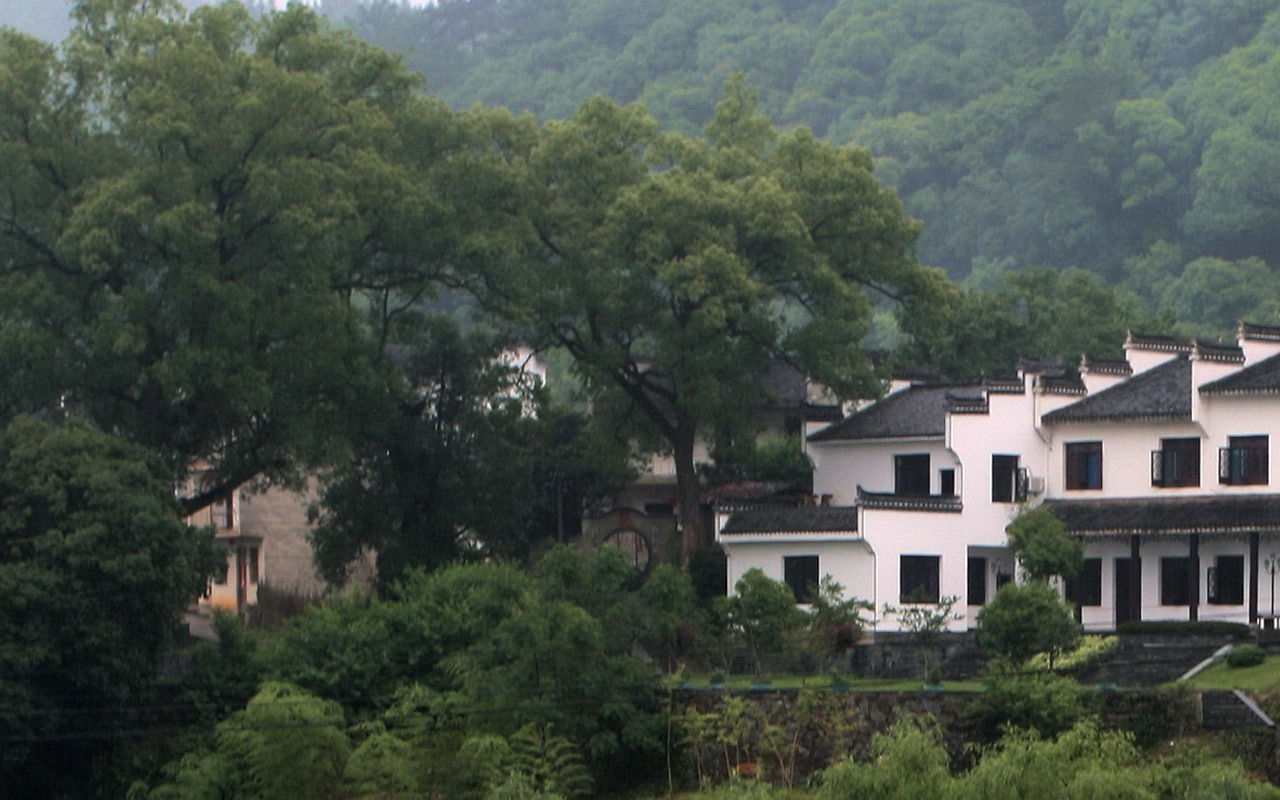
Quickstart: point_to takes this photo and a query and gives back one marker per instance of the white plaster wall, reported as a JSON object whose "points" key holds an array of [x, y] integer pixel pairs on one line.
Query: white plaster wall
{"points": [[1009, 429], [1225, 416], [841, 467], [1103, 617], [893, 534], [850, 562], [1126, 458]]}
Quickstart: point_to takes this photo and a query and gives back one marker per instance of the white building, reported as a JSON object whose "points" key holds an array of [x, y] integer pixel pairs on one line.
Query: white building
{"points": [[1161, 463]]}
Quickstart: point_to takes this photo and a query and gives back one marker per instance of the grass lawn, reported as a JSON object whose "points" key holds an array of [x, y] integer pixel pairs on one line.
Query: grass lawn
{"points": [[1263, 677]]}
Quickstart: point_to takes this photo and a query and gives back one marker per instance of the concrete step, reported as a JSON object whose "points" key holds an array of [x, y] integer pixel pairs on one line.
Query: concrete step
{"points": [[1232, 710]]}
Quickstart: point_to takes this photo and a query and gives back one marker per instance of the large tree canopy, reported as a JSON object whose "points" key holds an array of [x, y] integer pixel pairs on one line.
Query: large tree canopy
{"points": [[201, 221], [95, 567], [673, 269]]}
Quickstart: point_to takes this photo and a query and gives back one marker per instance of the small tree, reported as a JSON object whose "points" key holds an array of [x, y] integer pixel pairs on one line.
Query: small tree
{"points": [[1027, 619], [762, 611], [926, 622], [1042, 546], [835, 623]]}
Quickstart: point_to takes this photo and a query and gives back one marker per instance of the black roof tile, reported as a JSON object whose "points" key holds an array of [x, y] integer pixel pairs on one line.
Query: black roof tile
{"points": [[1161, 392], [1169, 515], [806, 519], [919, 410], [1261, 377]]}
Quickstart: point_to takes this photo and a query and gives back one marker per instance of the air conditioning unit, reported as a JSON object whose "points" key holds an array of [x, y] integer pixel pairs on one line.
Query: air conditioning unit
{"points": [[1035, 484]]}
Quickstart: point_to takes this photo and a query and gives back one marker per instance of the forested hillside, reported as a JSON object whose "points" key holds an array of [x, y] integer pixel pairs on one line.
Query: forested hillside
{"points": [[1137, 139]]}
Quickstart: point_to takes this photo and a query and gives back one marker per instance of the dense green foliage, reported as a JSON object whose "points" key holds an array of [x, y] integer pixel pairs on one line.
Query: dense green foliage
{"points": [[1042, 547], [95, 568], [1132, 138], [1083, 761], [672, 268], [1025, 619]]}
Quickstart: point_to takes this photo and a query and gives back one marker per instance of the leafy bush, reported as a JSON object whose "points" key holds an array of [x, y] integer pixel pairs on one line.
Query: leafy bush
{"points": [[1246, 655], [1047, 705], [1090, 651], [1235, 630]]}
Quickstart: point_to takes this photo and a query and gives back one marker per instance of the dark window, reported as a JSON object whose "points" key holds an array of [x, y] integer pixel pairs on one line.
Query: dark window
{"points": [[911, 474], [977, 581], [1004, 479], [659, 509], [1175, 574], [1176, 463], [947, 482], [801, 574], [1244, 463], [1084, 465], [1226, 581], [918, 579], [1085, 589], [253, 565], [220, 571]]}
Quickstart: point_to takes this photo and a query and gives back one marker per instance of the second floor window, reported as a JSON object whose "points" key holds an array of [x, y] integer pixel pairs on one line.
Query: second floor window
{"points": [[1084, 465], [1244, 463], [911, 474], [1008, 481], [1176, 463]]}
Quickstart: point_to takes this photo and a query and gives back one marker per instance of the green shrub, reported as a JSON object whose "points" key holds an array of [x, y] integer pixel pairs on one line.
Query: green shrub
{"points": [[1246, 655], [1045, 704], [1235, 630]]}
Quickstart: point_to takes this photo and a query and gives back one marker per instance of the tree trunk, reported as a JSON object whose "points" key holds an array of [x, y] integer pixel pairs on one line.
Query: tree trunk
{"points": [[688, 490]]}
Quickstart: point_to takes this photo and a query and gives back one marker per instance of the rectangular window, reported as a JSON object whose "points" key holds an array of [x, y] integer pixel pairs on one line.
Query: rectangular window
{"points": [[801, 574], [918, 579], [1084, 465], [911, 474], [1244, 463], [253, 565], [1226, 581], [1004, 479], [977, 581], [1085, 589], [1175, 574], [1176, 463], [947, 482]]}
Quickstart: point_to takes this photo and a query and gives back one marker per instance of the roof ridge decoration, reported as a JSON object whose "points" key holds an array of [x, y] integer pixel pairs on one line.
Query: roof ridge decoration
{"points": [[897, 502], [1164, 344], [1105, 366], [1062, 384], [1255, 332], [1004, 385], [1217, 351], [1040, 366]]}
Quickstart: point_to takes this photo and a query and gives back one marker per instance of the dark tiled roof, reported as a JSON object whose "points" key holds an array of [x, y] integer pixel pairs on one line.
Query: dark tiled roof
{"points": [[1264, 333], [900, 502], [1217, 351], [917, 373], [1168, 344], [1040, 366], [1063, 384], [1261, 377], [1160, 392], [809, 519], [915, 411], [1169, 515], [784, 385], [1105, 366]]}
